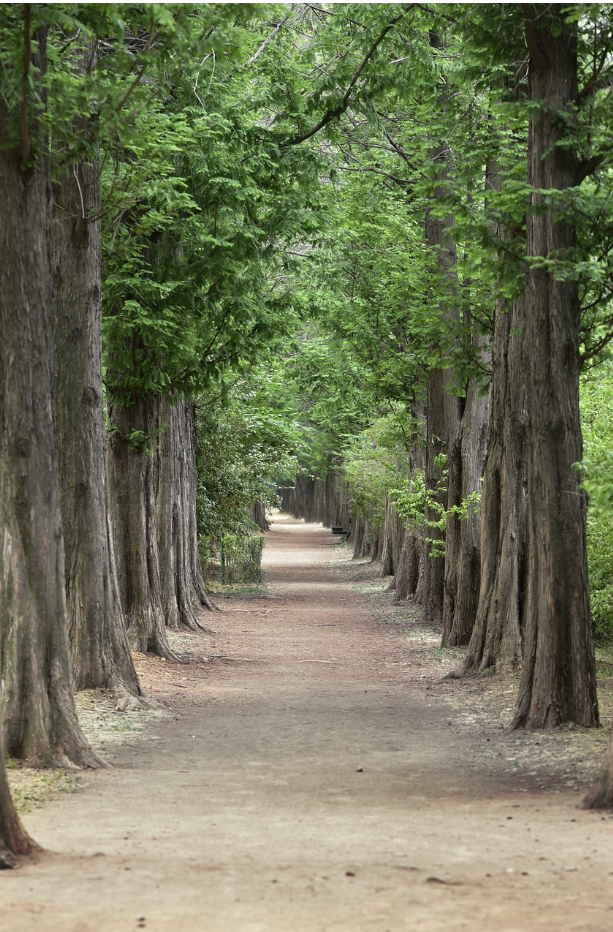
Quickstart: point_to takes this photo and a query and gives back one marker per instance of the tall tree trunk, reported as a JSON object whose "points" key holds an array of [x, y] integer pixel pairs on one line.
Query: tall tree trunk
{"points": [[101, 655], [558, 680], [442, 425], [38, 706], [496, 638], [409, 575], [153, 507], [393, 536], [443, 409], [181, 585], [133, 487], [463, 545]]}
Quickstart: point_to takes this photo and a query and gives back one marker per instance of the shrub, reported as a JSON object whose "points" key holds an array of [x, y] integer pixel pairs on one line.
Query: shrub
{"points": [[242, 555], [597, 424]]}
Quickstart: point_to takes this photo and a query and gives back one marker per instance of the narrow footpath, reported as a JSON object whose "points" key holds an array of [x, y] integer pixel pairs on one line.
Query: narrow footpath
{"points": [[303, 780]]}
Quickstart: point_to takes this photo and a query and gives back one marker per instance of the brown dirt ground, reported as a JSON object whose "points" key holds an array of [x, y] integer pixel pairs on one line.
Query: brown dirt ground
{"points": [[310, 771]]}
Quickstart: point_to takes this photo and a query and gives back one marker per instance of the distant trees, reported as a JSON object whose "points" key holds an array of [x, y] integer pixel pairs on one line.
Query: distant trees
{"points": [[517, 188]]}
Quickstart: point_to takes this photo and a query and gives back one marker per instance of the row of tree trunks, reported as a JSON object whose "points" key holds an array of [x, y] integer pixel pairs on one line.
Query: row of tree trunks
{"points": [[38, 706], [327, 501], [409, 575], [153, 486], [367, 541], [319, 500], [533, 602], [496, 639], [442, 424], [393, 538], [134, 520], [463, 536], [182, 585]]}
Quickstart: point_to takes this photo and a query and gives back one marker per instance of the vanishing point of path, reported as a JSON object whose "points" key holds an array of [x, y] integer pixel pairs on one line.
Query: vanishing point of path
{"points": [[304, 781]]}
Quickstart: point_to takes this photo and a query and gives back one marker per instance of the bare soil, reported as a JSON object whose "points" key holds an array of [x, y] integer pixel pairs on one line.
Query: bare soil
{"points": [[310, 770]]}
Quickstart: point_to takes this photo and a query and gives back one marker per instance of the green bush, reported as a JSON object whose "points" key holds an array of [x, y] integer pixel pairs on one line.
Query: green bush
{"points": [[242, 558], [597, 424], [374, 461]]}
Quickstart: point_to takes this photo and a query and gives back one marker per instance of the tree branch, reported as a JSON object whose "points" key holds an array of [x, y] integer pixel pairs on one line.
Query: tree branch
{"points": [[398, 148], [267, 40], [536, 57], [338, 111], [589, 166]]}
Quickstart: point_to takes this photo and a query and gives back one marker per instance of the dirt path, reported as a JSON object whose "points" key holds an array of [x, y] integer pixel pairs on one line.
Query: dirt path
{"points": [[307, 780]]}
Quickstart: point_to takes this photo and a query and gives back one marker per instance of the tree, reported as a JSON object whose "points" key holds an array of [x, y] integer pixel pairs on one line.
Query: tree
{"points": [[39, 713], [14, 840], [558, 681], [100, 652], [192, 290]]}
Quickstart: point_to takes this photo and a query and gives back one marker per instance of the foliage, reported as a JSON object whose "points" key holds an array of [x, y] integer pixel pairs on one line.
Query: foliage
{"points": [[597, 425], [246, 441], [242, 558], [373, 462], [420, 507], [201, 203]]}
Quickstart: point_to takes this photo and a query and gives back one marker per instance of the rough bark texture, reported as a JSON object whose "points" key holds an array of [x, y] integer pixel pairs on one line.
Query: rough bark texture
{"points": [[410, 573], [181, 583], [438, 442], [38, 707], [442, 426], [393, 538], [558, 680], [442, 409], [153, 507], [132, 474], [496, 638], [463, 544], [101, 655]]}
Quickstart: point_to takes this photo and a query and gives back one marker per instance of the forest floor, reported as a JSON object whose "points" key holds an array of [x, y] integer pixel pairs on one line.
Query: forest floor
{"points": [[310, 771]]}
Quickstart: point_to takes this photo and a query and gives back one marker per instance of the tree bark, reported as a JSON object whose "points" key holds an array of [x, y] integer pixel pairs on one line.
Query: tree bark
{"points": [[153, 507], [181, 584], [496, 638], [410, 573], [133, 485], [393, 537], [38, 706], [442, 409], [14, 840], [258, 513], [101, 655], [463, 545], [442, 425], [558, 680]]}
